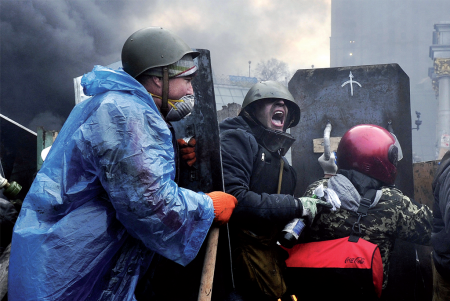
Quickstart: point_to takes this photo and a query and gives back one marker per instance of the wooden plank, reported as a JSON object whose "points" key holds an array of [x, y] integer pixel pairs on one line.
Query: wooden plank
{"points": [[318, 144], [423, 177], [4, 266]]}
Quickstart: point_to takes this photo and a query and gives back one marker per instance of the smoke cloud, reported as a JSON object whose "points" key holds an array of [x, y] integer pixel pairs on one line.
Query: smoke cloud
{"points": [[45, 44]]}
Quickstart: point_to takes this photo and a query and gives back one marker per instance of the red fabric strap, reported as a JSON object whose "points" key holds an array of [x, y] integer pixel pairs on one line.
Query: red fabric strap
{"points": [[339, 253]]}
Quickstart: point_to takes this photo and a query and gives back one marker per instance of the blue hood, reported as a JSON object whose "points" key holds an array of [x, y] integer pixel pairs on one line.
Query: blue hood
{"points": [[104, 200]]}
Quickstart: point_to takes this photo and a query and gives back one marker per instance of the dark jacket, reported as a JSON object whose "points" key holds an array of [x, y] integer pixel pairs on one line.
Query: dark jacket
{"points": [[251, 174], [440, 238], [393, 216]]}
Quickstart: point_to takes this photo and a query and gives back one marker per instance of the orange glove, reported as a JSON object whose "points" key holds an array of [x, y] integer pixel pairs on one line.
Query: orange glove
{"points": [[187, 150], [224, 204]]}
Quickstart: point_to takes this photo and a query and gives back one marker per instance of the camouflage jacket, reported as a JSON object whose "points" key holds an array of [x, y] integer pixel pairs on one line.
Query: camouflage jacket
{"points": [[395, 216]]}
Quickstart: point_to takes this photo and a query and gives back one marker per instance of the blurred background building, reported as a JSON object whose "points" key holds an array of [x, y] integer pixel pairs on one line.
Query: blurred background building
{"points": [[230, 92], [367, 32]]}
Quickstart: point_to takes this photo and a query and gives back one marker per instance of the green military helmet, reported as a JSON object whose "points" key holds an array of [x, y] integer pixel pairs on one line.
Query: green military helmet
{"points": [[275, 90], [152, 47]]}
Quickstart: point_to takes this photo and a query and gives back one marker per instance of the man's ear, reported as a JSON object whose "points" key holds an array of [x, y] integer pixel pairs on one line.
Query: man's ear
{"points": [[153, 84], [156, 81]]}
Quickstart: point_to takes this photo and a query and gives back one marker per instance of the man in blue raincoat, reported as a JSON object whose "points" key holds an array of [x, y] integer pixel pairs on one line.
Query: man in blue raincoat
{"points": [[105, 199]]}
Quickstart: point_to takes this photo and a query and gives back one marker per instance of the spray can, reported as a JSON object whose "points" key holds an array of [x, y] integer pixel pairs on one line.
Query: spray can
{"points": [[291, 232]]}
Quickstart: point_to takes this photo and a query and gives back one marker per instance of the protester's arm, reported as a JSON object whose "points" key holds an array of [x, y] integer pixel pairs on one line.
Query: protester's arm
{"points": [[329, 166], [238, 153], [414, 221], [312, 187], [132, 147]]}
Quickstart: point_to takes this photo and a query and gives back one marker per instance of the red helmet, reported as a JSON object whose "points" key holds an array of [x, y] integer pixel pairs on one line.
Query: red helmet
{"points": [[371, 150]]}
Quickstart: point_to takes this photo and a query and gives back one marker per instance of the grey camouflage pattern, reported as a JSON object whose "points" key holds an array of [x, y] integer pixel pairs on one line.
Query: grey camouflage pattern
{"points": [[395, 216]]}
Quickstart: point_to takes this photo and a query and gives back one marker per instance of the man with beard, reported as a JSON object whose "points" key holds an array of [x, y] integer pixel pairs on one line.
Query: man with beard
{"points": [[259, 176]]}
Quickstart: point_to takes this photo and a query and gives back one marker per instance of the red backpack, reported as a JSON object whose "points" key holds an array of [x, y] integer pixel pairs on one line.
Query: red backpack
{"points": [[350, 268]]}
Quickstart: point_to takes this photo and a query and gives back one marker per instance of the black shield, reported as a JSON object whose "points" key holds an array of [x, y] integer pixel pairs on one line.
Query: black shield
{"points": [[206, 173], [348, 96]]}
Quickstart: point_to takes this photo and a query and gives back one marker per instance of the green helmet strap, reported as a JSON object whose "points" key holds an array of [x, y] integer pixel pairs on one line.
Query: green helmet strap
{"points": [[165, 92], [274, 141]]}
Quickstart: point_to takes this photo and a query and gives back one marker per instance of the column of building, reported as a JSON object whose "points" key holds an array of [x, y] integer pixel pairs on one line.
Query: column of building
{"points": [[440, 74]]}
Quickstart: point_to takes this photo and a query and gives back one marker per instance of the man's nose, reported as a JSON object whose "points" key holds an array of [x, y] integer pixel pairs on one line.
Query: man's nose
{"points": [[190, 90]]}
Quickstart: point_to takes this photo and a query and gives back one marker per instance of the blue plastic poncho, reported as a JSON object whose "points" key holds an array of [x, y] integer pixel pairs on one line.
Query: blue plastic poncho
{"points": [[104, 200]]}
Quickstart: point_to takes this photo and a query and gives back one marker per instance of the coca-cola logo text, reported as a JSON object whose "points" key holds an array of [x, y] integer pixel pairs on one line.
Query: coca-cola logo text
{"points": [[357, 260]]}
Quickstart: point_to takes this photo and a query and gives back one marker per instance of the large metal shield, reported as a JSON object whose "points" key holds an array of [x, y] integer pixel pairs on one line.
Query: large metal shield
{"points": [[348, 96], [206, 173]]}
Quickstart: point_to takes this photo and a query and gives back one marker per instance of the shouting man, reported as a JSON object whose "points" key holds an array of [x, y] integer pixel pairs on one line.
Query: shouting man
{"points": [[259, 176]]}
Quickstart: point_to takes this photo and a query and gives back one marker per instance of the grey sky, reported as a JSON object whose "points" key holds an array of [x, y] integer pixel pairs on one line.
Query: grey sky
{"points": [[46, 43]]}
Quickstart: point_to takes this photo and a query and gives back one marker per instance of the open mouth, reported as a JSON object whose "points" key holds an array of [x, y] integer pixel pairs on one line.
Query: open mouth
{"points": [[278, 118]]}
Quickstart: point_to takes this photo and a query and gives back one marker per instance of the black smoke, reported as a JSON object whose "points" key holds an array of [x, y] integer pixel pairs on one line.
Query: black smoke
{"points": [[44, 45]]}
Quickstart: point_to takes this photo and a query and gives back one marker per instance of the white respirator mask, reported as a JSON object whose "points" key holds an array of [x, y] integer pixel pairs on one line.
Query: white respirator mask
{"points": [[179, 108]]}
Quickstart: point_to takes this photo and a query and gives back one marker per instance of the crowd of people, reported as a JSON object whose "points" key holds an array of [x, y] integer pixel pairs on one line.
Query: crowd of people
{"points": [[106, 201]]}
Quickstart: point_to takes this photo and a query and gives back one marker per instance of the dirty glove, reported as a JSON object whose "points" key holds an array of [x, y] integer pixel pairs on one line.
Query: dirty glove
{"points": [[224, 204], [329, 167], [187, 150], [311, 207]]}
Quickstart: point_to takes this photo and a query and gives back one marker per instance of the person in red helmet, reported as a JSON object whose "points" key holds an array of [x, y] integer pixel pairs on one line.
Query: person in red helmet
{"points": [[367, 158]]}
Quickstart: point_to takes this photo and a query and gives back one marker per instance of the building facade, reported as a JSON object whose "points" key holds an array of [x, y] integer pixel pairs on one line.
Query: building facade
{"points": [[369, 32]]}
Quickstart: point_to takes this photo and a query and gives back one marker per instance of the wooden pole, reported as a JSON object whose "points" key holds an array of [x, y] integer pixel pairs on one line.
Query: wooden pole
{"points": [[209, 265]]}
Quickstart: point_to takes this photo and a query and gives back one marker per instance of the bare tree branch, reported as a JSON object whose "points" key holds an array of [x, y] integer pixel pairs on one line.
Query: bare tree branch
{"points": [[272, 69]]}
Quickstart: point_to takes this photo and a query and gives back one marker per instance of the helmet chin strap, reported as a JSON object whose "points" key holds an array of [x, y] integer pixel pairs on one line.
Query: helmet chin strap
{"points": [[165, 92], [272, 140]]}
